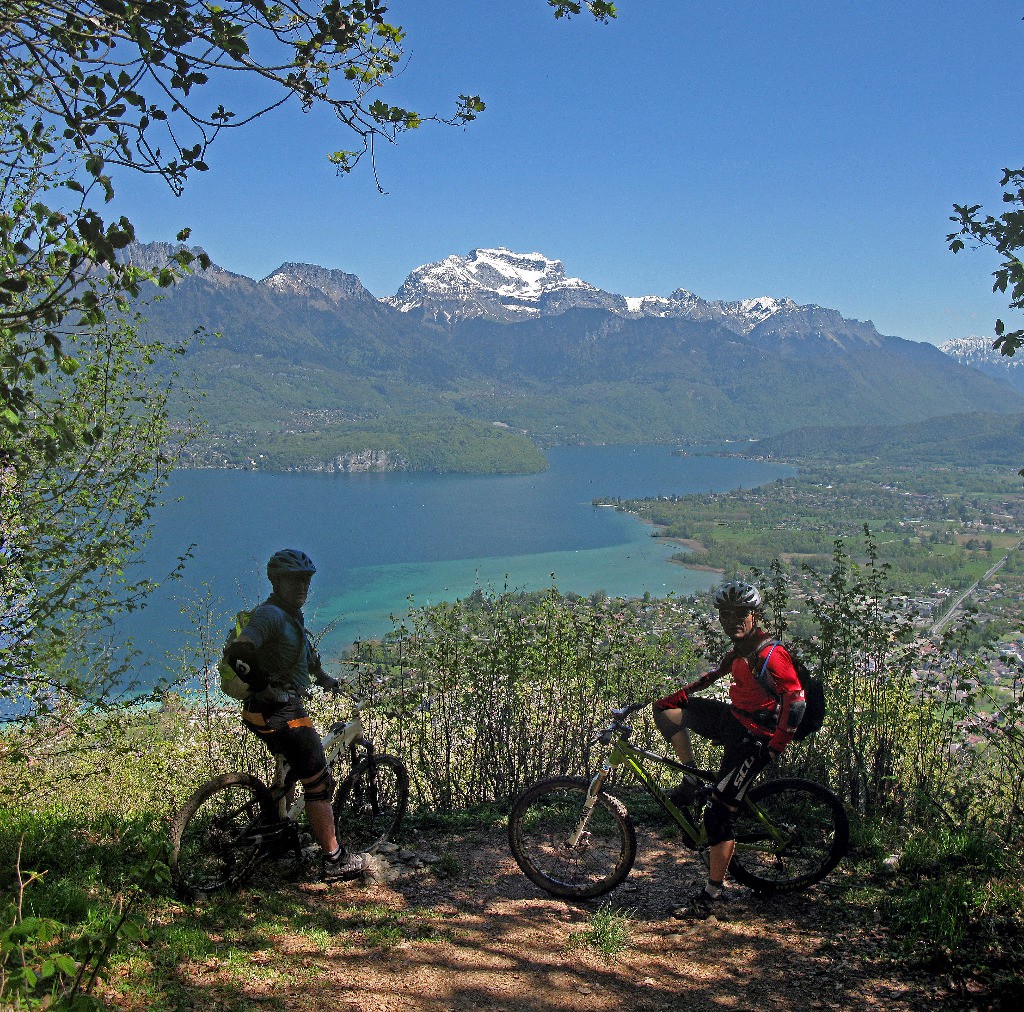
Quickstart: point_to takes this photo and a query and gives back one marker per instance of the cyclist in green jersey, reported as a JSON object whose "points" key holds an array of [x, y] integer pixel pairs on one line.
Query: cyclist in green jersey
{"points": [[274, 656]]}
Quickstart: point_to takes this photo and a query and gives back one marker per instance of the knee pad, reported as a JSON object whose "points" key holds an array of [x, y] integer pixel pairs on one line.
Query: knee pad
{"points": [[320, 787], [720, 823]]}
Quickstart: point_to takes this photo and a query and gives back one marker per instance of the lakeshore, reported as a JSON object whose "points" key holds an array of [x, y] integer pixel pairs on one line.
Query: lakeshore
{"points": [[386, 542], [690, 544]]}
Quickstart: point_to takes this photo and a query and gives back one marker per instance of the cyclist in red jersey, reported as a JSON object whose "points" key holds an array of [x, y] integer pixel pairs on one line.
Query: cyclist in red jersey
{"points": [[754, 727]]}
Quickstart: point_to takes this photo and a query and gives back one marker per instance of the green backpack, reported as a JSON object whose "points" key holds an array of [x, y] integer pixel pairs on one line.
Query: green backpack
{"points": [[230, 682]]}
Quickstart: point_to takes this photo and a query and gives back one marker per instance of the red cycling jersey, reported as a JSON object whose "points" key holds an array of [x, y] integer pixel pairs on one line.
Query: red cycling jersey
{"points": [[773, 713]]}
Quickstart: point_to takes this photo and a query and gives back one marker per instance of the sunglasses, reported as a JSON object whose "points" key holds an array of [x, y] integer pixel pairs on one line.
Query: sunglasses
{"points": [[735, 612]]}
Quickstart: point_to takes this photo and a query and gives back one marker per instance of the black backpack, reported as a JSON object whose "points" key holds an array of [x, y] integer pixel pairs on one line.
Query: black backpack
{"points": [[814, 688]]}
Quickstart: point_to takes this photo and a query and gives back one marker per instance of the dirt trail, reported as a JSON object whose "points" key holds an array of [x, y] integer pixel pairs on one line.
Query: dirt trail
{"points": [[488, 939]]}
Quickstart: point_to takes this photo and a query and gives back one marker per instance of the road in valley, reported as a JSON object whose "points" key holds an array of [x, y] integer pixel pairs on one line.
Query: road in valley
{"points": [[955, 606]]}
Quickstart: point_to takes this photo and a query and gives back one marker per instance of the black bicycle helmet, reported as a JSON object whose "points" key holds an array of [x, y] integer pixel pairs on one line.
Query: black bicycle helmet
{"points": [[289, 561], [737, 594]]}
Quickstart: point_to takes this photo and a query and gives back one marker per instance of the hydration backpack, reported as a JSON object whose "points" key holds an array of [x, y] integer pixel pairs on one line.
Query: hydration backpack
{"points": [[230, 682], [814, 688]]}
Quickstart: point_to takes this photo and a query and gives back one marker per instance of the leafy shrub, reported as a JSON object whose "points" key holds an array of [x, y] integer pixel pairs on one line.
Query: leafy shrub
{"points": [[43, 960], [487, 695]]}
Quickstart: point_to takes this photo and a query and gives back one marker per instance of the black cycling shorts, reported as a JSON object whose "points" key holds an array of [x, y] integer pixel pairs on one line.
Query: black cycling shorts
{"points": [[742, 761], [740, 767], [287, 731]]}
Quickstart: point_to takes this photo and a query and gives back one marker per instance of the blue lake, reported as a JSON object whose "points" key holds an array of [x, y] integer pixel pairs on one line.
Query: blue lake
{"points": [[380, 539]]}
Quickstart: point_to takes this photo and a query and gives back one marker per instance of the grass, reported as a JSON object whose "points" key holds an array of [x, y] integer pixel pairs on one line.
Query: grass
{"points": [[246, 939], [319, 938], [482, 816], [188, 942], [384, 936], [607, 932], [449, 866], [957, 907], [868, 842]]}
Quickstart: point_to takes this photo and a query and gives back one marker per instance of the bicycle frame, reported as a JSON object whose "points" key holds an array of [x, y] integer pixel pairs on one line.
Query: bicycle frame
{"points": [[622, 753], [341, 735]]}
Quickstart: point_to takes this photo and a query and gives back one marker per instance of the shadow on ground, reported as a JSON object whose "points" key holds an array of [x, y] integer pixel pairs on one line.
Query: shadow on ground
{"points": [[487, 938]]}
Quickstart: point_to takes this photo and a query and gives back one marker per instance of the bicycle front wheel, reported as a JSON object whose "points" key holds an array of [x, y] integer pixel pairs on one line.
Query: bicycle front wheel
{"points": [[789, 835], [216, 840], [371, 803], [544, 819]]}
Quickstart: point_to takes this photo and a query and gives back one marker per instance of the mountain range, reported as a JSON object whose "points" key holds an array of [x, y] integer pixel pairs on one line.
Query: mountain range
{"points": [[978, 353], [479, 359], [497, 284]]}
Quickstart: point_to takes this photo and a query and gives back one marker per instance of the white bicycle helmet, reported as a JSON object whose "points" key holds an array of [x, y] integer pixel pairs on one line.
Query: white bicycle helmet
{"points": [[737, 594]]}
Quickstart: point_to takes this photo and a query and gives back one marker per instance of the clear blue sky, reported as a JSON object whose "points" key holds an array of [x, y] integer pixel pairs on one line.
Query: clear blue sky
{"points": [[802, 149]]}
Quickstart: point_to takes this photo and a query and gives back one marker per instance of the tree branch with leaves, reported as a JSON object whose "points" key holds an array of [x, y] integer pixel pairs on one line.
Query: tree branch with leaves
{"points": [[87, 88], [1004, 234]]}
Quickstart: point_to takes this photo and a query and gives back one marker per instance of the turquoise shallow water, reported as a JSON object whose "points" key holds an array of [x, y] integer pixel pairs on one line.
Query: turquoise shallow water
{"points": [[629, 569], [380, 539]]}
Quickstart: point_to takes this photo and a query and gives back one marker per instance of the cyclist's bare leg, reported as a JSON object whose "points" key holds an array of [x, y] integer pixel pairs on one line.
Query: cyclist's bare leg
{"points": [[680, 741], [321, 821], [672, 725], [719, 857]]}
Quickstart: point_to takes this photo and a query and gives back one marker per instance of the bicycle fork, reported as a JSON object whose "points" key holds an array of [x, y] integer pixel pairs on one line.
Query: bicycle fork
{"points": [[593, 791]]}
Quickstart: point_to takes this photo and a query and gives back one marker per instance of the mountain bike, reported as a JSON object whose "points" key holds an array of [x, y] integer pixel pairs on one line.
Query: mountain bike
{"points": [[235, 822], [575, 840]]}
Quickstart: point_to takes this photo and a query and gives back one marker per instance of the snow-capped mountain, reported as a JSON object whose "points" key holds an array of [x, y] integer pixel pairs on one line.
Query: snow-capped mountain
{"points": [[975, 351], [501, 285], [741, 316], [979, 353], [504, 286]]}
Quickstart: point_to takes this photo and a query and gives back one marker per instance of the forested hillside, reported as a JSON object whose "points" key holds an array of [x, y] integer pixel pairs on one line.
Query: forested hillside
{"points": [[297, 372], [969, 440]]}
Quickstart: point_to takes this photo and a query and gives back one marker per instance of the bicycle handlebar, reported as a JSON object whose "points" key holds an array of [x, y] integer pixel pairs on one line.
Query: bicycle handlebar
{"points": [[348, 684], [618, 722], [629, 709]]}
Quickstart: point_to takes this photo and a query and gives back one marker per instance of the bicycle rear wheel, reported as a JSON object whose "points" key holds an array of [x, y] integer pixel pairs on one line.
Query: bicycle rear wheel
{"points": [[217, 838], [371, 803], [789, 835], [539, 827]]}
